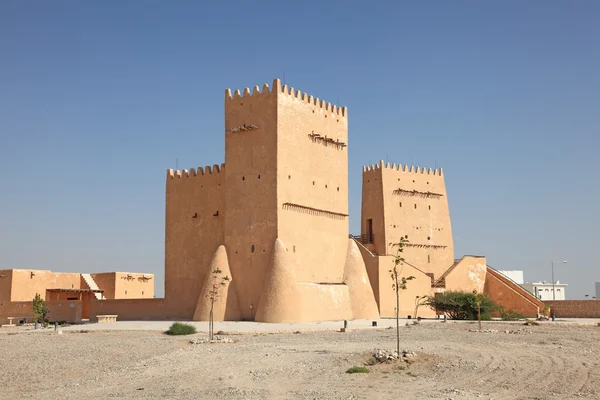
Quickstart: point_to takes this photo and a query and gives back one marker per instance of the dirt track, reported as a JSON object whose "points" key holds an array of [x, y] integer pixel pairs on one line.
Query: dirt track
{"points": [[552, 362]]}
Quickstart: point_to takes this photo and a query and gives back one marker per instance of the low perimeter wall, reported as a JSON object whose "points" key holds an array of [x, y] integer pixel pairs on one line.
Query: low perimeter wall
{"points": [[60, 310], [574, 308], [135, 310]]}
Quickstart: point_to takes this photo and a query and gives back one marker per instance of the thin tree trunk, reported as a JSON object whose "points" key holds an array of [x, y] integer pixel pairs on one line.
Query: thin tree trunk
{"points": [[479, 315], [210, 319], [397, 317]]}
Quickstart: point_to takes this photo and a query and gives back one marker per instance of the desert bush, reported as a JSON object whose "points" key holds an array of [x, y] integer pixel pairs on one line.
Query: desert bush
{"points": [[357, 370], [179, 328], [510, 315], [462, 305]]}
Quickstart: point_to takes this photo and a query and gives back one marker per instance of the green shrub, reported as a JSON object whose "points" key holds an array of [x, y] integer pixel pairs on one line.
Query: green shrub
{"points": [[462, 305], [357, 370], [179, 328], [40, 310], [511, 315]]}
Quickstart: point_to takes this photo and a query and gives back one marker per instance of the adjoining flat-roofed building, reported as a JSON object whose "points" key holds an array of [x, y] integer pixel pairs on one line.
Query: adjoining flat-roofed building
{"points": [[67, 294]]}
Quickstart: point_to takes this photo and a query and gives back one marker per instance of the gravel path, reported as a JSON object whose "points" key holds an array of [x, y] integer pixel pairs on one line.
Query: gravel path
{"points": [[511, 362]]}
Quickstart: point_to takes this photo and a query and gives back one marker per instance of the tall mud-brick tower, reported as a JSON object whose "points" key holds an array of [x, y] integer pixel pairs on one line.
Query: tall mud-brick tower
{"points": [[282, 227], [402, 201]]}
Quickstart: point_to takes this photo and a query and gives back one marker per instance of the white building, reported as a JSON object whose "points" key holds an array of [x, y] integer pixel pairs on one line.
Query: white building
{"points": [[547, 290], [516, 276]]}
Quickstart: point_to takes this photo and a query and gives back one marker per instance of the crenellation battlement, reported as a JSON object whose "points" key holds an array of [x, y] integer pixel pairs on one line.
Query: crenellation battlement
{"points": [[193, 172], [403, 168], [288, 91]]}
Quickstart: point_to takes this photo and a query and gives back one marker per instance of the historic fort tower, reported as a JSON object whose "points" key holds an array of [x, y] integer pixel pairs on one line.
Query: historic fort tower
{"points": [[274, 217], [402, 201]]}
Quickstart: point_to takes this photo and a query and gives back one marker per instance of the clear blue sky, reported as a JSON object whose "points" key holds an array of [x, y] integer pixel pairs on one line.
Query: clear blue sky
{"points": [[98, 99]]}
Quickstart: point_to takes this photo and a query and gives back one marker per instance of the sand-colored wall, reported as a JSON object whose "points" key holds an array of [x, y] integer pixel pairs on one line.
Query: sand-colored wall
{"points": [[60, 310], [324, 302], [467, 275], [15, 309], [574, 308], [373, 209], [131, 285], [420, 286], [106, 282], [312, 185], [510, 295], [192, 232], [138, 310], [251, 191], [26, 283], [411, 203], [5, 285]]}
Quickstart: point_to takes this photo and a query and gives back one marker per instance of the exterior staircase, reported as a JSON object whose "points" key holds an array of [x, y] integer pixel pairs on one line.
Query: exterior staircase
{"points": [[92, 285]]}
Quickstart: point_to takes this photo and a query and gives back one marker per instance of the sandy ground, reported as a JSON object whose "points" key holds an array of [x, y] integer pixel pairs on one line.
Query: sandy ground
{"points": [[538, 362]]}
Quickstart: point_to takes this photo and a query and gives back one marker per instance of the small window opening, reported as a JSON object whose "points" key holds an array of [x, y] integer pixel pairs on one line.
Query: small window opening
{"points": [[405, 236], [428, 259], [338, 189], [430, 207], [428, 237], [294, 249], [415, 206], [258, 176], [252, 248], [243, 178], [325, 186], [413, 181], [142, 292], [126, 292], [289, 177], [400, 204], [313, 183]]}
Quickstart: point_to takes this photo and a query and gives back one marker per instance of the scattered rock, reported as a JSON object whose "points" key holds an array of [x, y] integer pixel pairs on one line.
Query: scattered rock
{"points": [[381, 355], [217, 339]]}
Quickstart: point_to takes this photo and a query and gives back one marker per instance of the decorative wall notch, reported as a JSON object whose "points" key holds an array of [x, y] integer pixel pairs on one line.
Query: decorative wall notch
{"points": [[317, 138], [313, 211], [416, 193], [242, 128]]}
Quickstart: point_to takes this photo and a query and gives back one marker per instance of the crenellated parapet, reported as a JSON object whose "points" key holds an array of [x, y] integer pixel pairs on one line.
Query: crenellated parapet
{"points": [[278, 89], [193, 172], [410, 169]]}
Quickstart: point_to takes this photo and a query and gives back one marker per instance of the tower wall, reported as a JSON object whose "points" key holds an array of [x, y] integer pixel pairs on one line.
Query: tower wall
{"points": [[372, 225], [251, 196], [192, 231], [412, 203], [312, 190]]}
